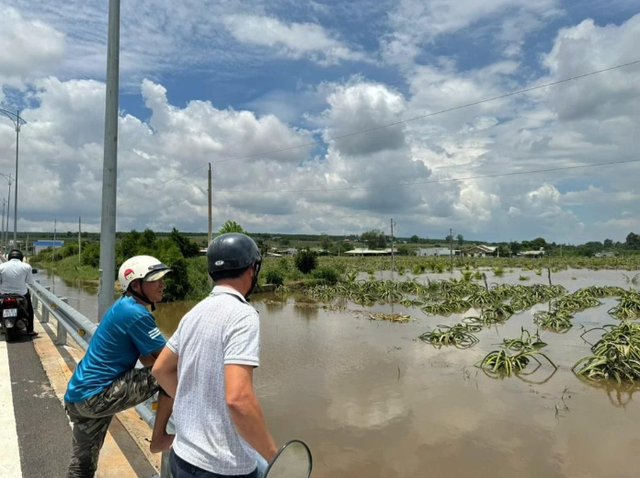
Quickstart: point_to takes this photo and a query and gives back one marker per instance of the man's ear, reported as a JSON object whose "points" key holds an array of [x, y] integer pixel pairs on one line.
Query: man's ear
{"points": [[135, 286]]}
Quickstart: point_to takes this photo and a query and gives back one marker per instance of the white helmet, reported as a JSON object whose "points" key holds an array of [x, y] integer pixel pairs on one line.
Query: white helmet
{"points": [[146, 268]]}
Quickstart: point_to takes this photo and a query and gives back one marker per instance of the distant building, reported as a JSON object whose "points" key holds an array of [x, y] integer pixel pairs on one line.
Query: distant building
{"points": [[605, 254], [480, 251], [369, 252], [435, 252], [39, 246], [533, 254]]}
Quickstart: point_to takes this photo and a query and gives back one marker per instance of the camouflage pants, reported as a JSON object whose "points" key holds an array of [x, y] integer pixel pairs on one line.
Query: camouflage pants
{"points": [[91, 417]]}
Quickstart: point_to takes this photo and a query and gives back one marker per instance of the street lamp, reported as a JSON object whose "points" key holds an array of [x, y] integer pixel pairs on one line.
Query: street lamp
{"points": [[17, 122], [5, 238]]}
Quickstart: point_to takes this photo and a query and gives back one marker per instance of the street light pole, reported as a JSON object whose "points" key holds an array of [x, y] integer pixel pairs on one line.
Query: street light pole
{"points": [[4, 205], [15, 191], [17, 122], [5, 235], [110, 165]]}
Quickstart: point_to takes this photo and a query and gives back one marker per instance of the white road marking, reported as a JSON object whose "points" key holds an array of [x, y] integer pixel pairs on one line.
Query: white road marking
{"points": [[10, 456]]}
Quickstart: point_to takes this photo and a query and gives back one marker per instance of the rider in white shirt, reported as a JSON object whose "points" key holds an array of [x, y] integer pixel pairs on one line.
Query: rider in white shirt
{"points": [[14, 277]]}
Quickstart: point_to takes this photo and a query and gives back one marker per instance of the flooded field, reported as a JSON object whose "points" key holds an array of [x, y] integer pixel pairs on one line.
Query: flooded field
{"points": [[373, 401]]}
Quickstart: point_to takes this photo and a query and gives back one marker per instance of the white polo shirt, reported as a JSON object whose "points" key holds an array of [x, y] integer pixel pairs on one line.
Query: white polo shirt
{"points": [[222, 329], [14, 277]]}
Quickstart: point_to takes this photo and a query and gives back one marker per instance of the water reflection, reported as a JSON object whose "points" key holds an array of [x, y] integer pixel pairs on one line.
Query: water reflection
{"points": [[371, 401]]}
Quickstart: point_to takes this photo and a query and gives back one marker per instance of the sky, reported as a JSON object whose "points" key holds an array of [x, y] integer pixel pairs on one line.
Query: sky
{"points": [[271, 92]]}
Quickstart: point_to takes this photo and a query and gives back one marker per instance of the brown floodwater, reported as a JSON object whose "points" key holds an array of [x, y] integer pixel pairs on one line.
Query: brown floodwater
{"points": [[372, 401]]}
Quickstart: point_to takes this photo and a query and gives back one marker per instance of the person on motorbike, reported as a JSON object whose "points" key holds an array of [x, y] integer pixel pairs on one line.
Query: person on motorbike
{"points": [[208, 366], [106, 381], [15, 275]]}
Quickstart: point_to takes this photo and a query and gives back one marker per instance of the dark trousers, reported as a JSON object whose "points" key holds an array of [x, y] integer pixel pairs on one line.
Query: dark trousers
{"points": [[30, 312], [91, 417], [183, 469]]}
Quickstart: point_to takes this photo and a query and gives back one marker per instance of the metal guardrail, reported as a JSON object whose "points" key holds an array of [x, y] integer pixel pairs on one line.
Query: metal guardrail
{"points": [[72, 323]]}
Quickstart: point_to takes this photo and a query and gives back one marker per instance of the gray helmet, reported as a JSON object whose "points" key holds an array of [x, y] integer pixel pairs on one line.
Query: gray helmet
{"points": [[232, 251], [15, 254]]}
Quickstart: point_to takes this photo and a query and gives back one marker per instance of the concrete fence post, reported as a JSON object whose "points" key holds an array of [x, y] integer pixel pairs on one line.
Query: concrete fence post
{"points": [[45, 312], [61, 338]]}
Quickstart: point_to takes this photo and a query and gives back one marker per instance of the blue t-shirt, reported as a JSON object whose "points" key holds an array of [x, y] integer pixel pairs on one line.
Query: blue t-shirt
{"points": [[127, 331]]}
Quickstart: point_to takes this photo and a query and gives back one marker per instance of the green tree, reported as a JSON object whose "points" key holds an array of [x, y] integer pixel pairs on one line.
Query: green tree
{"points": [[176, 283], [460, 239], [91, 255], [325, 242], [608, 243], [231, 226], [633, 241], [536, 244], [146, 243], [306, 261], [375, 239], [187, 248], [405, 250], [414, 239], [263, 246]]}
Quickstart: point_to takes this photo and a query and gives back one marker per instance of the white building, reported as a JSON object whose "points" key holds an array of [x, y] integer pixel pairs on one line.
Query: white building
{"points": [[435, 252], [480, 251]]}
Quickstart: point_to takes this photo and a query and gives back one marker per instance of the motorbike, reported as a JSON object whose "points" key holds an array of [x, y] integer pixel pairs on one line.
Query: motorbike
{"points": [[15, 315]]}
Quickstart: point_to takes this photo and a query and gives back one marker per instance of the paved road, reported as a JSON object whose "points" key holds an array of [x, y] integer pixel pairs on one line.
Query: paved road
{"points": [[43, 432]]}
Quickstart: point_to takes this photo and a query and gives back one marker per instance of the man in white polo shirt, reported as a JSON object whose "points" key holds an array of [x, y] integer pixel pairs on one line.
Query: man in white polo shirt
{"points": [[14, 277], [207, 367]]}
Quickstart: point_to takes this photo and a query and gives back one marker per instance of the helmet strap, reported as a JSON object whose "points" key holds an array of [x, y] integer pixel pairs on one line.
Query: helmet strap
{"points": [[142, 296], [254, 283]]}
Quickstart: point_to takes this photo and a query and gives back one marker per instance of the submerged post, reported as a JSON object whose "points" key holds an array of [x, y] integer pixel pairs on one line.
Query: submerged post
{"points": [[393, 257], [451, 248]]}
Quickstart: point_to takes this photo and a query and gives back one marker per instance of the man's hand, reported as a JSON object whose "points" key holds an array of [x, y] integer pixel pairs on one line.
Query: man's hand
{"points": [[160, 439], [245, 410]]}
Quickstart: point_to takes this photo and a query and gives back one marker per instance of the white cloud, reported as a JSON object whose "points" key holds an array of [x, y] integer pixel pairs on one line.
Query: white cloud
{"points": [[163, 158], [359, 106], [295, 40], [28, 46], [416, 23]]}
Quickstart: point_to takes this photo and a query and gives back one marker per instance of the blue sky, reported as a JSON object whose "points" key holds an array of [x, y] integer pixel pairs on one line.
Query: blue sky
{"points": [[204, 81]]}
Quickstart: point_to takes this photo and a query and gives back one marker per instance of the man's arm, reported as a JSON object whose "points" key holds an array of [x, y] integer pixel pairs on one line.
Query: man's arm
{"points": [[29, 278], [165, 370], [160, 439], [245, 410], [149, 360]]}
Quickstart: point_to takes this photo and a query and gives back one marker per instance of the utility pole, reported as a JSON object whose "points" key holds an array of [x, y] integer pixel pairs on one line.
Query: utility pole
{"points": [[451, 248], [4, 204], [15, 200], [210, 229], [6, 231], [393, 257], [17, 122], [79, 239], [55, 230], [210, 223], [110, 165]]}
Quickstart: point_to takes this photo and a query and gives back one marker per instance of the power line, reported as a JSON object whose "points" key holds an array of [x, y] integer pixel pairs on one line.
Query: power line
{"points": [[435, 181], [162, 185], [429, 115]]}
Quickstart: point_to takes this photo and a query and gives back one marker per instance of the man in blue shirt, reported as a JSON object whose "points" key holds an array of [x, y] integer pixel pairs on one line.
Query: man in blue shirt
{"points": [[106, 381]]}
